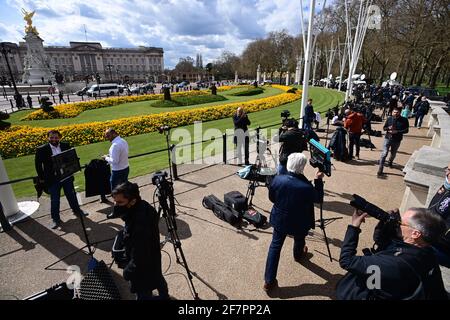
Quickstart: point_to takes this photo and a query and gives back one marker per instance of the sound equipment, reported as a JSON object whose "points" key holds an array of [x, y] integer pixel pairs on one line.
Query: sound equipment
{"points": [[98, 284]]}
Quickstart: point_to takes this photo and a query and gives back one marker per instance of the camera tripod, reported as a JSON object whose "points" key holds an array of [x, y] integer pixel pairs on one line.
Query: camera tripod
{"points": [[164, 191], [260, 162], [322, 223], [166, 131]]}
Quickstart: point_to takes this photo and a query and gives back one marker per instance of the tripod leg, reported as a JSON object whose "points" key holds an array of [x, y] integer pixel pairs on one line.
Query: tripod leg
{"points": [[322, 226], [327, 243]]}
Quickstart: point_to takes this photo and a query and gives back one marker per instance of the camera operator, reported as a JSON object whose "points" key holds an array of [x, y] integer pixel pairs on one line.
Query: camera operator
{"points": [[141, 240], [293, 196], [292, 140], [407, 268]]}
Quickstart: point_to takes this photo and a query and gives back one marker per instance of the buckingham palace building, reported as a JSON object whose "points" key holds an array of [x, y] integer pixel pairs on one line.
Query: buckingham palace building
{"points": [[85, 59]]}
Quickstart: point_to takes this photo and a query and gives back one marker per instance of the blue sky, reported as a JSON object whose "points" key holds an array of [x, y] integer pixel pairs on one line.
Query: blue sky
{"points": [[181, 27]]}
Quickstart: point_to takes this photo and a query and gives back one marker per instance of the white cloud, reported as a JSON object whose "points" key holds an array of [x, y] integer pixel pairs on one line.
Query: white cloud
{"points": [[180, 27]]}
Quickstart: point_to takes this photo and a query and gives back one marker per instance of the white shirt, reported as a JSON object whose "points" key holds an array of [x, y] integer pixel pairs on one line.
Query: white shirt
{"points": [[55, 150], [118, 154]]}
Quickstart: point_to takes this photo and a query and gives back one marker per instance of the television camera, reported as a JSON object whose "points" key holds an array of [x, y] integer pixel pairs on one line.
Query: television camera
{"points": [[320, 157], [163, 129], [285, 114]]}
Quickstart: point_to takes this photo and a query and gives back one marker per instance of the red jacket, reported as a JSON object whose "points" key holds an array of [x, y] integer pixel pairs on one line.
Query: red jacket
{"points": [[354, 122]]}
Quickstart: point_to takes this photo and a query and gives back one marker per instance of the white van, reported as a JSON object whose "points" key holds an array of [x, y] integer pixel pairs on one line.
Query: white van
{"points": [[104, 89]]}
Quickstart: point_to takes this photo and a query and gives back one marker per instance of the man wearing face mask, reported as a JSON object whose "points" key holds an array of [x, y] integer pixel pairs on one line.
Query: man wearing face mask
{"points": [[141, 240], [440, 205], [46, 175]]}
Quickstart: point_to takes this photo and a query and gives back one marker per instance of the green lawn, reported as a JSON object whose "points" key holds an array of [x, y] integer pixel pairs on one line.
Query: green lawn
{"points": [[131, 109], [24, 166], [443, 90]]}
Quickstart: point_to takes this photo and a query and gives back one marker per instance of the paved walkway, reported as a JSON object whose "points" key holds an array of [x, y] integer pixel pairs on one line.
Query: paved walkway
{"points": [[227, 263]]}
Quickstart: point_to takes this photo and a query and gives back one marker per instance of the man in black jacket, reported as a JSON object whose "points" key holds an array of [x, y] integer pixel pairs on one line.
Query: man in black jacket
{"points": [[421, 112], [395, 127], [309, 116], [292, 140], [46, 175], [141, 239], [405, 269], [241, 123]]}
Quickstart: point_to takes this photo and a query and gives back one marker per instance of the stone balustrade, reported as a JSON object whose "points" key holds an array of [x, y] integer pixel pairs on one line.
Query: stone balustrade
{"points": [[424, 172]]}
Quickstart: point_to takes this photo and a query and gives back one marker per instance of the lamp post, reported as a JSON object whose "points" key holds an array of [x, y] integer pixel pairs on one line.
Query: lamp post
{"points": [[17, 96], [98, 78], [3, 79], [109, 67], [118, 76]]}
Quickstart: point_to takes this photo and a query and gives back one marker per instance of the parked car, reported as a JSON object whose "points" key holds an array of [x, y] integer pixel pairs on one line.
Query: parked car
{"points": [[81, 92], [104, 89]]}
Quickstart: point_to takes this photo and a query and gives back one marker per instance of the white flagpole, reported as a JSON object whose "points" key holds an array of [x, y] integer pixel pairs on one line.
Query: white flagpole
{"points": [[307, 61]]}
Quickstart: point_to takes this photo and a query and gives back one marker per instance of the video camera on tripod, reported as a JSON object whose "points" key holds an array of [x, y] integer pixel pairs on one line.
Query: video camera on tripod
{"points": [[320, 157], [164, 129], [166, 199]]}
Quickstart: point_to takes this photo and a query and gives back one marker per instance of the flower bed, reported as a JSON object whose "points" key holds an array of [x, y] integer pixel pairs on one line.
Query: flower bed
{"points": [[23, 140], [71, 110]]}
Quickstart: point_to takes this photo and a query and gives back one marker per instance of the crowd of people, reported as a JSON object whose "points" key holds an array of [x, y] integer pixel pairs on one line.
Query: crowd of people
{"points": [[409, 258]]}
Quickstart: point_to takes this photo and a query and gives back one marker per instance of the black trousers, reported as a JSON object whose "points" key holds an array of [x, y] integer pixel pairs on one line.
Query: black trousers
{"points": [[354, 140]]}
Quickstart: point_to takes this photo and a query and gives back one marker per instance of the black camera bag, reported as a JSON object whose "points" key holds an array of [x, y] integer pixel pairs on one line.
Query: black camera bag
{"points": [[221, 210], [235, 200], [255, 218]]}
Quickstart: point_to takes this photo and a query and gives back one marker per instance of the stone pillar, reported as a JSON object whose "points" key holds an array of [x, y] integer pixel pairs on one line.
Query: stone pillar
{"points": [[258, 74], [297, 74], [236, 79], [264, 77], [288, 75], [7, 197]]}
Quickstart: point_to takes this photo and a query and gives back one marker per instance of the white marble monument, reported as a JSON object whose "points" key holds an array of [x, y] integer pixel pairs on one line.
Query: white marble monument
{"points": [[37, 65]]}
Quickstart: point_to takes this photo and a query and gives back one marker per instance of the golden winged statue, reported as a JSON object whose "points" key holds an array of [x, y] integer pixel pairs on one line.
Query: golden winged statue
{"points": [[27, 17]]}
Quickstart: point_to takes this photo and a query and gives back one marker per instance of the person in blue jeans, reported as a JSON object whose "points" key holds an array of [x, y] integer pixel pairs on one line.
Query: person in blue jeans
{"points": [[422, 110], [309, 116], [293, 196], [47, 176]]}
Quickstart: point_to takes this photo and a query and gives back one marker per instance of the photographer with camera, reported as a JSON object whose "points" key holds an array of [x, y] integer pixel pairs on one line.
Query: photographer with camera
{"points": [[141, 241], [293, 196], [292, 140], [405, 269]]}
